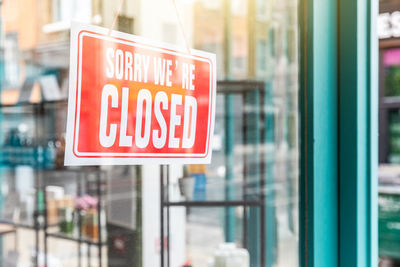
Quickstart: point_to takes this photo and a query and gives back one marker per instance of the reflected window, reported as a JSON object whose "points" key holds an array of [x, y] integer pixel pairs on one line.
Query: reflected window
{"points": [[11, 60], [64, 10]]}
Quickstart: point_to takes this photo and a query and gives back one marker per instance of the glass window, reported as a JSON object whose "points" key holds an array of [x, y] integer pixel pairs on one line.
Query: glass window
{"points": [[240, 210]]}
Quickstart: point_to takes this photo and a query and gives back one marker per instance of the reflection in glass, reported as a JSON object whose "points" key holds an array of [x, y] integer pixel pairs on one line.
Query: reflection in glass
{"points": [[244, 204]]}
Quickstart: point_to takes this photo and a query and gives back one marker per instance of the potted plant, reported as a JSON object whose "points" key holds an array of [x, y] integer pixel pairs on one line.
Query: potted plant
{"points": [[88, 216]]}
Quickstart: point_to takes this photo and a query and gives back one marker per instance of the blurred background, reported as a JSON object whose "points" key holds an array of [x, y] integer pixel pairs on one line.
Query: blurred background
{"points": [[389, 130], [241, 210]]}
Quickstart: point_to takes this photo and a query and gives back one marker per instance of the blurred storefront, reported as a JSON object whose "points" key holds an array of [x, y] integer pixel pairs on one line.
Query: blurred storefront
{"points": [[389, 110], [249, 207]]}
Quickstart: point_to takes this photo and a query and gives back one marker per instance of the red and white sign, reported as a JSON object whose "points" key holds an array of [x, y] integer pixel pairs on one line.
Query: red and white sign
{"points": [[135, 101]]}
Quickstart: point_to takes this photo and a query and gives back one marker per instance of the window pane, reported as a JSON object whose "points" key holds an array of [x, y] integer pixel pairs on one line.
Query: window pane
{"points": [[240, 210]]}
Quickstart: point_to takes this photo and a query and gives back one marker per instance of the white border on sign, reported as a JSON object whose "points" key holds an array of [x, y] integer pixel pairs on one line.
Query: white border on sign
{"points": [[79, 102], [93, 158]]}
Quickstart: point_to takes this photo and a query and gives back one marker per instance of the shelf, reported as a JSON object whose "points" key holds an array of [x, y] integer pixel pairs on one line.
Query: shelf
{"points": [[241, 86], [76, 171], [22, 225], [212, 203], [390, 102], [29, 104], [6, 229], [73, 237], [49, 170]]}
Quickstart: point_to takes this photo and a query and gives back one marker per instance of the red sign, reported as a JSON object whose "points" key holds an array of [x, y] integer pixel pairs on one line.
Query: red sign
{"points": [[134, 101]]}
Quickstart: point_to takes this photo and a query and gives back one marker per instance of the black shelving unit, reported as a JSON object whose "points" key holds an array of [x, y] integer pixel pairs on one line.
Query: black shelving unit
{"points": [[39, 114], [81, 175], [224, 88], [35, 112]]}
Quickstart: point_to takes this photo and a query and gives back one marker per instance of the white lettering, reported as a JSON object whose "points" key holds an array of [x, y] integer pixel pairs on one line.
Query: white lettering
{"points": [[124, 140], [191, 77], [190, 115], [137, 77], [119, 64], [169, 73], [144, 95], [175, 120], [110, 68], [185, 76], [159, 140], [395, 20], [146, 62], [159, 71], [128, 66], [107, 140], [389, 25]]}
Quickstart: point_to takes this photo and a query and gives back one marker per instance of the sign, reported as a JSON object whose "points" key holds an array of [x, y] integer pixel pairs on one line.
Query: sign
{"points": [[135, 101], [389, 25]]}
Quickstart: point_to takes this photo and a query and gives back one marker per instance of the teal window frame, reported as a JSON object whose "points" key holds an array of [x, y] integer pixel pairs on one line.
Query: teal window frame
{"points": [[338, 133]]}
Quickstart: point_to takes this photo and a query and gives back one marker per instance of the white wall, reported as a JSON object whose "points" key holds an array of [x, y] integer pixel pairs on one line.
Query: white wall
{"points": [[151, 218]]}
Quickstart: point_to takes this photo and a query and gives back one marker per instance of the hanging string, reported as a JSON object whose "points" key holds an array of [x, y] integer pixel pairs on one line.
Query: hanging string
{"points": [[181, 27], [116, 17]]}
